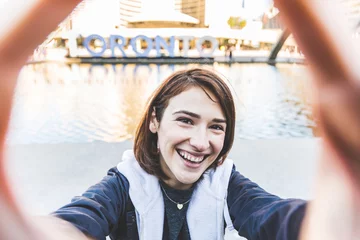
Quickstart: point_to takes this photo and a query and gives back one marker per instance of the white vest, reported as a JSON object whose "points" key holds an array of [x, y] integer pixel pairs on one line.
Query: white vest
{"points": [[207, 208]]}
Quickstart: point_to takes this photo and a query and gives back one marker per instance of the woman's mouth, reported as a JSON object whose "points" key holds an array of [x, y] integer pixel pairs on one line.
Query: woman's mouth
{"points": [[188, 157]]}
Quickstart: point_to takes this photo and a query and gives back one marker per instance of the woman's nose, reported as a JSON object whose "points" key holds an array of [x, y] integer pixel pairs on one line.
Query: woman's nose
{"points": [[200, 140]]}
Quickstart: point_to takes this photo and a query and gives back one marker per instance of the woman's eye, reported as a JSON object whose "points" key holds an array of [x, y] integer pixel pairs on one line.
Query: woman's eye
{"points": [[217, 127], [185, 120]]}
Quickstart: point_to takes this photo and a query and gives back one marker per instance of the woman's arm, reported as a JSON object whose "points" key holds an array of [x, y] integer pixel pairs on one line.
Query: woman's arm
{"points": [[18, 38], [99, 210], [259, 215], [54, 228], [324, 36]]}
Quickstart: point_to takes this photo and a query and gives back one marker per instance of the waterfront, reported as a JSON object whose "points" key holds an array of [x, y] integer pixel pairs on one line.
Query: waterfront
{"points": [[78, 103]]}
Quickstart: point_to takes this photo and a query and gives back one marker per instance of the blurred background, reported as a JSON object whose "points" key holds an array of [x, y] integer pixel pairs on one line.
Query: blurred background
{"points": [[90, 79], [78, 90]]}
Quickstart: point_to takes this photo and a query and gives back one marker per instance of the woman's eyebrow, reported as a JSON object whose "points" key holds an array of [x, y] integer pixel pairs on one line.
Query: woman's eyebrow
{"points": [[188, 113], [194, 115], [218, 120]]}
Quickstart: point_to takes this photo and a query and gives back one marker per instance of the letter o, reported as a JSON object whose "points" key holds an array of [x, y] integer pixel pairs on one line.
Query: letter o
{"points": [[214, 45], [87, 41]]}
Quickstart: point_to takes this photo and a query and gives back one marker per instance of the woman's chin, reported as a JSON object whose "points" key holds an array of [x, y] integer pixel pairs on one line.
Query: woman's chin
{"points": [[188, 180]]}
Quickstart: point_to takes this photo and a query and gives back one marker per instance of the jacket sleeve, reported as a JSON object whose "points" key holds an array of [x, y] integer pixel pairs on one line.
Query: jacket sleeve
{"points": [[97, 212], [258, 215]]}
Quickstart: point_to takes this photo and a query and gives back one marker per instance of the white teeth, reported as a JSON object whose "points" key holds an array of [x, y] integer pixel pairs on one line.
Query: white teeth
{"points": [[190, 157]]}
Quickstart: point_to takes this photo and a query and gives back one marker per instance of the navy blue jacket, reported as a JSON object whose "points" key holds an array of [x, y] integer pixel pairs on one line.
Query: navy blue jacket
{"points": [[257, 215]]}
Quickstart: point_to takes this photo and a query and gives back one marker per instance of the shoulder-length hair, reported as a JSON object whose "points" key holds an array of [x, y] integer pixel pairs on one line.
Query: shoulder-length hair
{"points": [[145, 144]]}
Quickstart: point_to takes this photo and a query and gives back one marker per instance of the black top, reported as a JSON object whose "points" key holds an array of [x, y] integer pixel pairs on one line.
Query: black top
{"points": [[175, 224]]}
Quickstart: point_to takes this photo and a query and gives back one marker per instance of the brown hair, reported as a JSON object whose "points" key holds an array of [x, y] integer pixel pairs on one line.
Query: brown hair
{"points": [[145, 145]]}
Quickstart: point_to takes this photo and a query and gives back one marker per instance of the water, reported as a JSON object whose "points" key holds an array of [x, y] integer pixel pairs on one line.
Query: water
{"points": [[78, 103]]}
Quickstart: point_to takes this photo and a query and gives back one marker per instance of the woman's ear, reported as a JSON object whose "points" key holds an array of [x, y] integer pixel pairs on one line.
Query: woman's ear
{"points": [[220, 161], [154, 124]]}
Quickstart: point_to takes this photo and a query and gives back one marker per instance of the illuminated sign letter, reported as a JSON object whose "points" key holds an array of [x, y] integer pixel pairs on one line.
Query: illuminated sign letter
{"points": [[161, 42], [114, 43], [148, 41], [87, 42], [214, 45], [185, 40]]}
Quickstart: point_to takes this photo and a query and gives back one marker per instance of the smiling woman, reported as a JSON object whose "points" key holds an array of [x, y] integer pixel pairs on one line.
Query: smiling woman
{"points": [[177, 179], [191, 117]]}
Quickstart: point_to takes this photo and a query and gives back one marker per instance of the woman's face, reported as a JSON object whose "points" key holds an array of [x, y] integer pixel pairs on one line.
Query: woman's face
{"points": [[190, 136]]}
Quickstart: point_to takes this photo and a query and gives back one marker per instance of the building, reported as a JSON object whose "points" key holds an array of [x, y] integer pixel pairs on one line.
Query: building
{"points": [[128, 10], [93, 15], [271, 19], [140, 13], [161, 14], [194, 9]]}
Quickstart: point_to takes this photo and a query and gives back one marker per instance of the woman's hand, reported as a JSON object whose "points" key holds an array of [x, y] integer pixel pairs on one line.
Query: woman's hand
{"points": [[28, 27], [325, 38]]}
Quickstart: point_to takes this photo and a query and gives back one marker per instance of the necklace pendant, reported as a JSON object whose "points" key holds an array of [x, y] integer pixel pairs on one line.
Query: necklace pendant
{"points": [[179, 206]]}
